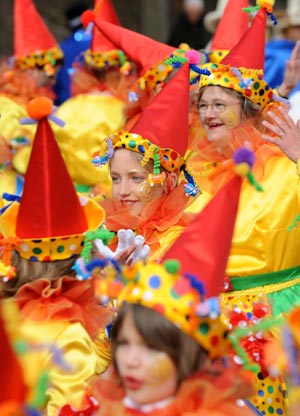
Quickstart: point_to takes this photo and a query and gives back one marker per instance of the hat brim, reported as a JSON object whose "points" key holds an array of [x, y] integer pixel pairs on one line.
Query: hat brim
{"points": [[95, 217]]}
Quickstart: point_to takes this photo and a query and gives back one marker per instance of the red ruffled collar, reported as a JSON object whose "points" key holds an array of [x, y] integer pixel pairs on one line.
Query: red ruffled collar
{"points": [[63, 299]]}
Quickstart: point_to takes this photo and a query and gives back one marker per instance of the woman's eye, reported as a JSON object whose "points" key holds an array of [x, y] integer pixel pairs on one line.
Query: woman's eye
{"points": [[220, 106], [202, 106], [115, 179], [138, 178]]}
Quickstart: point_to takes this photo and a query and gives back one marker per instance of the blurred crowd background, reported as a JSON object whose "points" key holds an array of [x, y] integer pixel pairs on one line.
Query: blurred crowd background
{"points": [[154, 18]]}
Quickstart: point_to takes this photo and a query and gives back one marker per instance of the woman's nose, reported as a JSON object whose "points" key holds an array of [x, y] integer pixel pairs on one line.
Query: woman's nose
{"points": [[124, 188]]}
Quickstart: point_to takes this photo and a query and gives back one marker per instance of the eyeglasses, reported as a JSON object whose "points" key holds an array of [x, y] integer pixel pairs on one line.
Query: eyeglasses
{"points": [[217, 106]]}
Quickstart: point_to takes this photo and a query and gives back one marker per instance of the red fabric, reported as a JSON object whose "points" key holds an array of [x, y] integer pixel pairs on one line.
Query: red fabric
{"points": [[250, 51], [203, 394], [12, 386], [228, 35], [140, 49], [106, 12], [49, 205], [205, 243], [63, 299], [165, 120], [30, 31]]}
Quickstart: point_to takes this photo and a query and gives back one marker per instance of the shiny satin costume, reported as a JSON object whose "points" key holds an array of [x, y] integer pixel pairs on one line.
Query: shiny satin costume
{"points": [[62, 316], [265, 253]]}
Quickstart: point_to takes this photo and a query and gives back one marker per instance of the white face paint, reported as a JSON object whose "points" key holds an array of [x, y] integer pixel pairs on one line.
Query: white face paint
{"points": [[219, 112], [148, 375]]}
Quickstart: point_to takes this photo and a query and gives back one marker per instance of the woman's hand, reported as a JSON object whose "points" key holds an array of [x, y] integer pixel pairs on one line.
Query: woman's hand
{"points": [[287, 132], [291, 73]]}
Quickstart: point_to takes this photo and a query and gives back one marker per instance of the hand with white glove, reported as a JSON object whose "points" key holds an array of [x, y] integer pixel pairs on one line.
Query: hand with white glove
{"points": [[130, 249]]}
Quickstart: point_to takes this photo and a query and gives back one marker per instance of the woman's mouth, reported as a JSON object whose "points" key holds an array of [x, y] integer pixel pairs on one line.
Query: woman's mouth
{"points": [[212, 126], [131, 383], [127, 203]]}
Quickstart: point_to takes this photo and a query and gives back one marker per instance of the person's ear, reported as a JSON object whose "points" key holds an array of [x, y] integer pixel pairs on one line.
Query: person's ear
{"points": [[171, 182]]}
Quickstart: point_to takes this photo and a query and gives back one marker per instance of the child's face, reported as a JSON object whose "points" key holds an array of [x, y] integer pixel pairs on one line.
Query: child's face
{"points": [[129, 182], [147, 375]]}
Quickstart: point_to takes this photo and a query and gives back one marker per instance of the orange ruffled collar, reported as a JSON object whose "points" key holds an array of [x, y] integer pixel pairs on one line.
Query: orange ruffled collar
{"points": [[157, 216], [63, 299], [202, 394]]}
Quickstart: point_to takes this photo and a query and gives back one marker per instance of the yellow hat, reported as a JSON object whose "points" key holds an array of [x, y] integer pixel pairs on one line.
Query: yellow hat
{"points": [[242, 69]]}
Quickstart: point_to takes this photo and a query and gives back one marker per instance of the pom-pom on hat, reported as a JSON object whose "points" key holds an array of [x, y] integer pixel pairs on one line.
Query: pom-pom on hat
{"points": [[103, 53], [227, 35], [242, 69], [161, 132], [50, 221], [34, 45]]}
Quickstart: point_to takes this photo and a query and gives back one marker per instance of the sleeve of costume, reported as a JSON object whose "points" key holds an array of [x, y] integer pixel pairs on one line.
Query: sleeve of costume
{"points": [[68, 386]]}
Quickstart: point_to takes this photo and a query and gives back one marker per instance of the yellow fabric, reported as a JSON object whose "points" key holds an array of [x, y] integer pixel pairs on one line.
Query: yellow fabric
{"points": [[10, 126], [79, 352], [89, 119], [166, 239], [8, 179], [262, 242]]}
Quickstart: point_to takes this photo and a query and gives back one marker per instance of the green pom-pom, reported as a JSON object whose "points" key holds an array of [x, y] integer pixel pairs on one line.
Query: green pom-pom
{"points": [[172, 266]]}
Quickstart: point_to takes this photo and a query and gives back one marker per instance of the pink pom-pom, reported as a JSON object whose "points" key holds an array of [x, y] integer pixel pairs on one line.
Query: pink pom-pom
{"points": [[193, 56]]}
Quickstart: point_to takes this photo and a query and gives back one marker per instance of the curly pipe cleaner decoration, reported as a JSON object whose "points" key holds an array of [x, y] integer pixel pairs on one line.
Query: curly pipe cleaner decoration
{"points": [[194, 58], [267, 5], [39, 108], [244, 160], [244, 83], [191, 189], [98, 160]]}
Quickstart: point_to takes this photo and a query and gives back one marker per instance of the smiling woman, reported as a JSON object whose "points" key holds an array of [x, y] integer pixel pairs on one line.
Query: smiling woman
{"points": [[146, 163], [237, 108]]}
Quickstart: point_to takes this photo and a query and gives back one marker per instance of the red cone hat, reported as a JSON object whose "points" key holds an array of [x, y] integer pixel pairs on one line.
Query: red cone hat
{"points": [[49, 205], [140, 49], [105, 10], [232, 26], [250, 50], [165, 120], [30, 31], [204, 246]]}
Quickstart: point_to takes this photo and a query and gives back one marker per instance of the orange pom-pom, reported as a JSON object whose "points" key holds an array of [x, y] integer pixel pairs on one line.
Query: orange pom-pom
{"points": [[39, 108], [87, 17]]}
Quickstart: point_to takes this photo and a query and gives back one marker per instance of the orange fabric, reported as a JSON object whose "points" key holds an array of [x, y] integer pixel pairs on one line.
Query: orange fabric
{"points": [[63, 299], [22, 86], [157, 216], [204, 155], [113, 82], [203, 394]]}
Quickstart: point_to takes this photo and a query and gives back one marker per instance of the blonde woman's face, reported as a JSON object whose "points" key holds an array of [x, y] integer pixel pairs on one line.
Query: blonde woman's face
{"points": [[130, 186], [148, 375], [219, 113]]}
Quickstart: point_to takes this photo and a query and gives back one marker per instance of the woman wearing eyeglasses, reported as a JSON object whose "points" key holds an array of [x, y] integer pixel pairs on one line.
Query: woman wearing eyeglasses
{"points": [[236, 107]]}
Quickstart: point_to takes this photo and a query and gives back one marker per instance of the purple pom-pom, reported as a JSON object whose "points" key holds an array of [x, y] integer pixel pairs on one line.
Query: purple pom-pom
{"points": [[244, 155]]}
